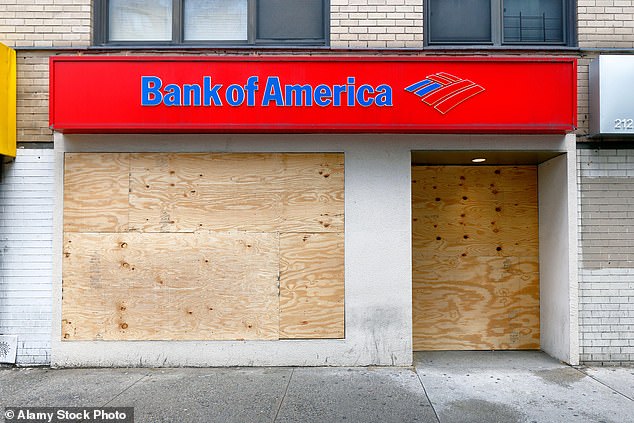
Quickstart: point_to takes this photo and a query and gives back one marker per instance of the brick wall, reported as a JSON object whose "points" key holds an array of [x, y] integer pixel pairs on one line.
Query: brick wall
{"points": [[606, 262], [376, 23], [26, 238], [583, 98], [605, 23], [45, 23], [606, 205], [32, 97], [354, 23]]}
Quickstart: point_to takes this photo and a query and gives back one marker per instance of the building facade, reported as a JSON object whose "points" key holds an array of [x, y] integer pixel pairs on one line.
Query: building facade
{"points": [[133, 242]]}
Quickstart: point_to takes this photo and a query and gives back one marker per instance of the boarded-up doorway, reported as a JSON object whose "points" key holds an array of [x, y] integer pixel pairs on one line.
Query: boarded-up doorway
{"points": [[475, 257]]}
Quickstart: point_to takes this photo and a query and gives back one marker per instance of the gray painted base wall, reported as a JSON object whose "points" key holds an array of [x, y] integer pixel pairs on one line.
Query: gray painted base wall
{"points": [[557, 241], [378, 251]]}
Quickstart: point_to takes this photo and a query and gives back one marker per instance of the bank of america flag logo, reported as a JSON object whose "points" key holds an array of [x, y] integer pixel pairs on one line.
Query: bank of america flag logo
{"points": [[444, 91]]}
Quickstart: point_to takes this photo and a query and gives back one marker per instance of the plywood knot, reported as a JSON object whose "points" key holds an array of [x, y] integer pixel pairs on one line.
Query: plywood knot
{"points": [[123, 325], [124, 245]]}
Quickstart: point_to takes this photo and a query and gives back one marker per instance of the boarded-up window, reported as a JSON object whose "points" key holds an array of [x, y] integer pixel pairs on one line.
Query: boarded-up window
{"points": [[203, 246], [475, 236]]}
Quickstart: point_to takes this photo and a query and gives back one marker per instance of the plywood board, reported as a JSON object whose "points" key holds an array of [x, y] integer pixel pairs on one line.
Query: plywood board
{"points": [[162, 246], [475, 257], [312, 285], [96, 187], [254, 192], [198, 286]]}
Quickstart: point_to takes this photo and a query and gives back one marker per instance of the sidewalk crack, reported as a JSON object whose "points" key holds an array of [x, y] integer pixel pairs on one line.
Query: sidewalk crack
{"points": [[431, 404], [279, 407], [126, 389], [603, 383]]}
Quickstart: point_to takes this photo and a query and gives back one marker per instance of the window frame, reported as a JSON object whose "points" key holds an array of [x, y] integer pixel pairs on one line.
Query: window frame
{"points": [[497, 29], [101, 31]]}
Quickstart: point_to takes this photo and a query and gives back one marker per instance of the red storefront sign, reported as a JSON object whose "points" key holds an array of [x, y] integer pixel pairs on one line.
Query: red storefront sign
{"points": [[312, 94]]}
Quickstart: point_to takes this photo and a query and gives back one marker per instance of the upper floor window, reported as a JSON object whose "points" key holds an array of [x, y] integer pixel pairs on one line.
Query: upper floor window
{"points": [[499, 22], [182, 22]]}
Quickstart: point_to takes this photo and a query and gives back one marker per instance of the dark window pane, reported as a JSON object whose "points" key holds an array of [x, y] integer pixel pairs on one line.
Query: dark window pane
{"points": [[533, 21], [460, 21], [140, 20], [290, 19], [215, 20]]}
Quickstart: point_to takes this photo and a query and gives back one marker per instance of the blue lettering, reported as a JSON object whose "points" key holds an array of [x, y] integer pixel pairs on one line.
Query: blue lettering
{"points": [[191, 95], [211, 94], [273, 92], [151, 91], [172, 95], [350, 91], [323, 95], [384, 95], [363, 95], [299, 95], [234, 95], [336, 97], [251, 87]]}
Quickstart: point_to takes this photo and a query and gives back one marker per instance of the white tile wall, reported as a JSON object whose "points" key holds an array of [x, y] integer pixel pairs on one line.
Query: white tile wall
{"points": [[606, 274], [26, 239]]}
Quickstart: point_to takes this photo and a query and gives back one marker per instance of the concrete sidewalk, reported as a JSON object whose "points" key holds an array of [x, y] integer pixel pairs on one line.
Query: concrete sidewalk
{"points": [[443, 387]]}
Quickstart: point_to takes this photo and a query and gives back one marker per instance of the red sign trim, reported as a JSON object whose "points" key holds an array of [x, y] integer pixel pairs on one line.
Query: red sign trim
{"points": [[114, 94]]}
